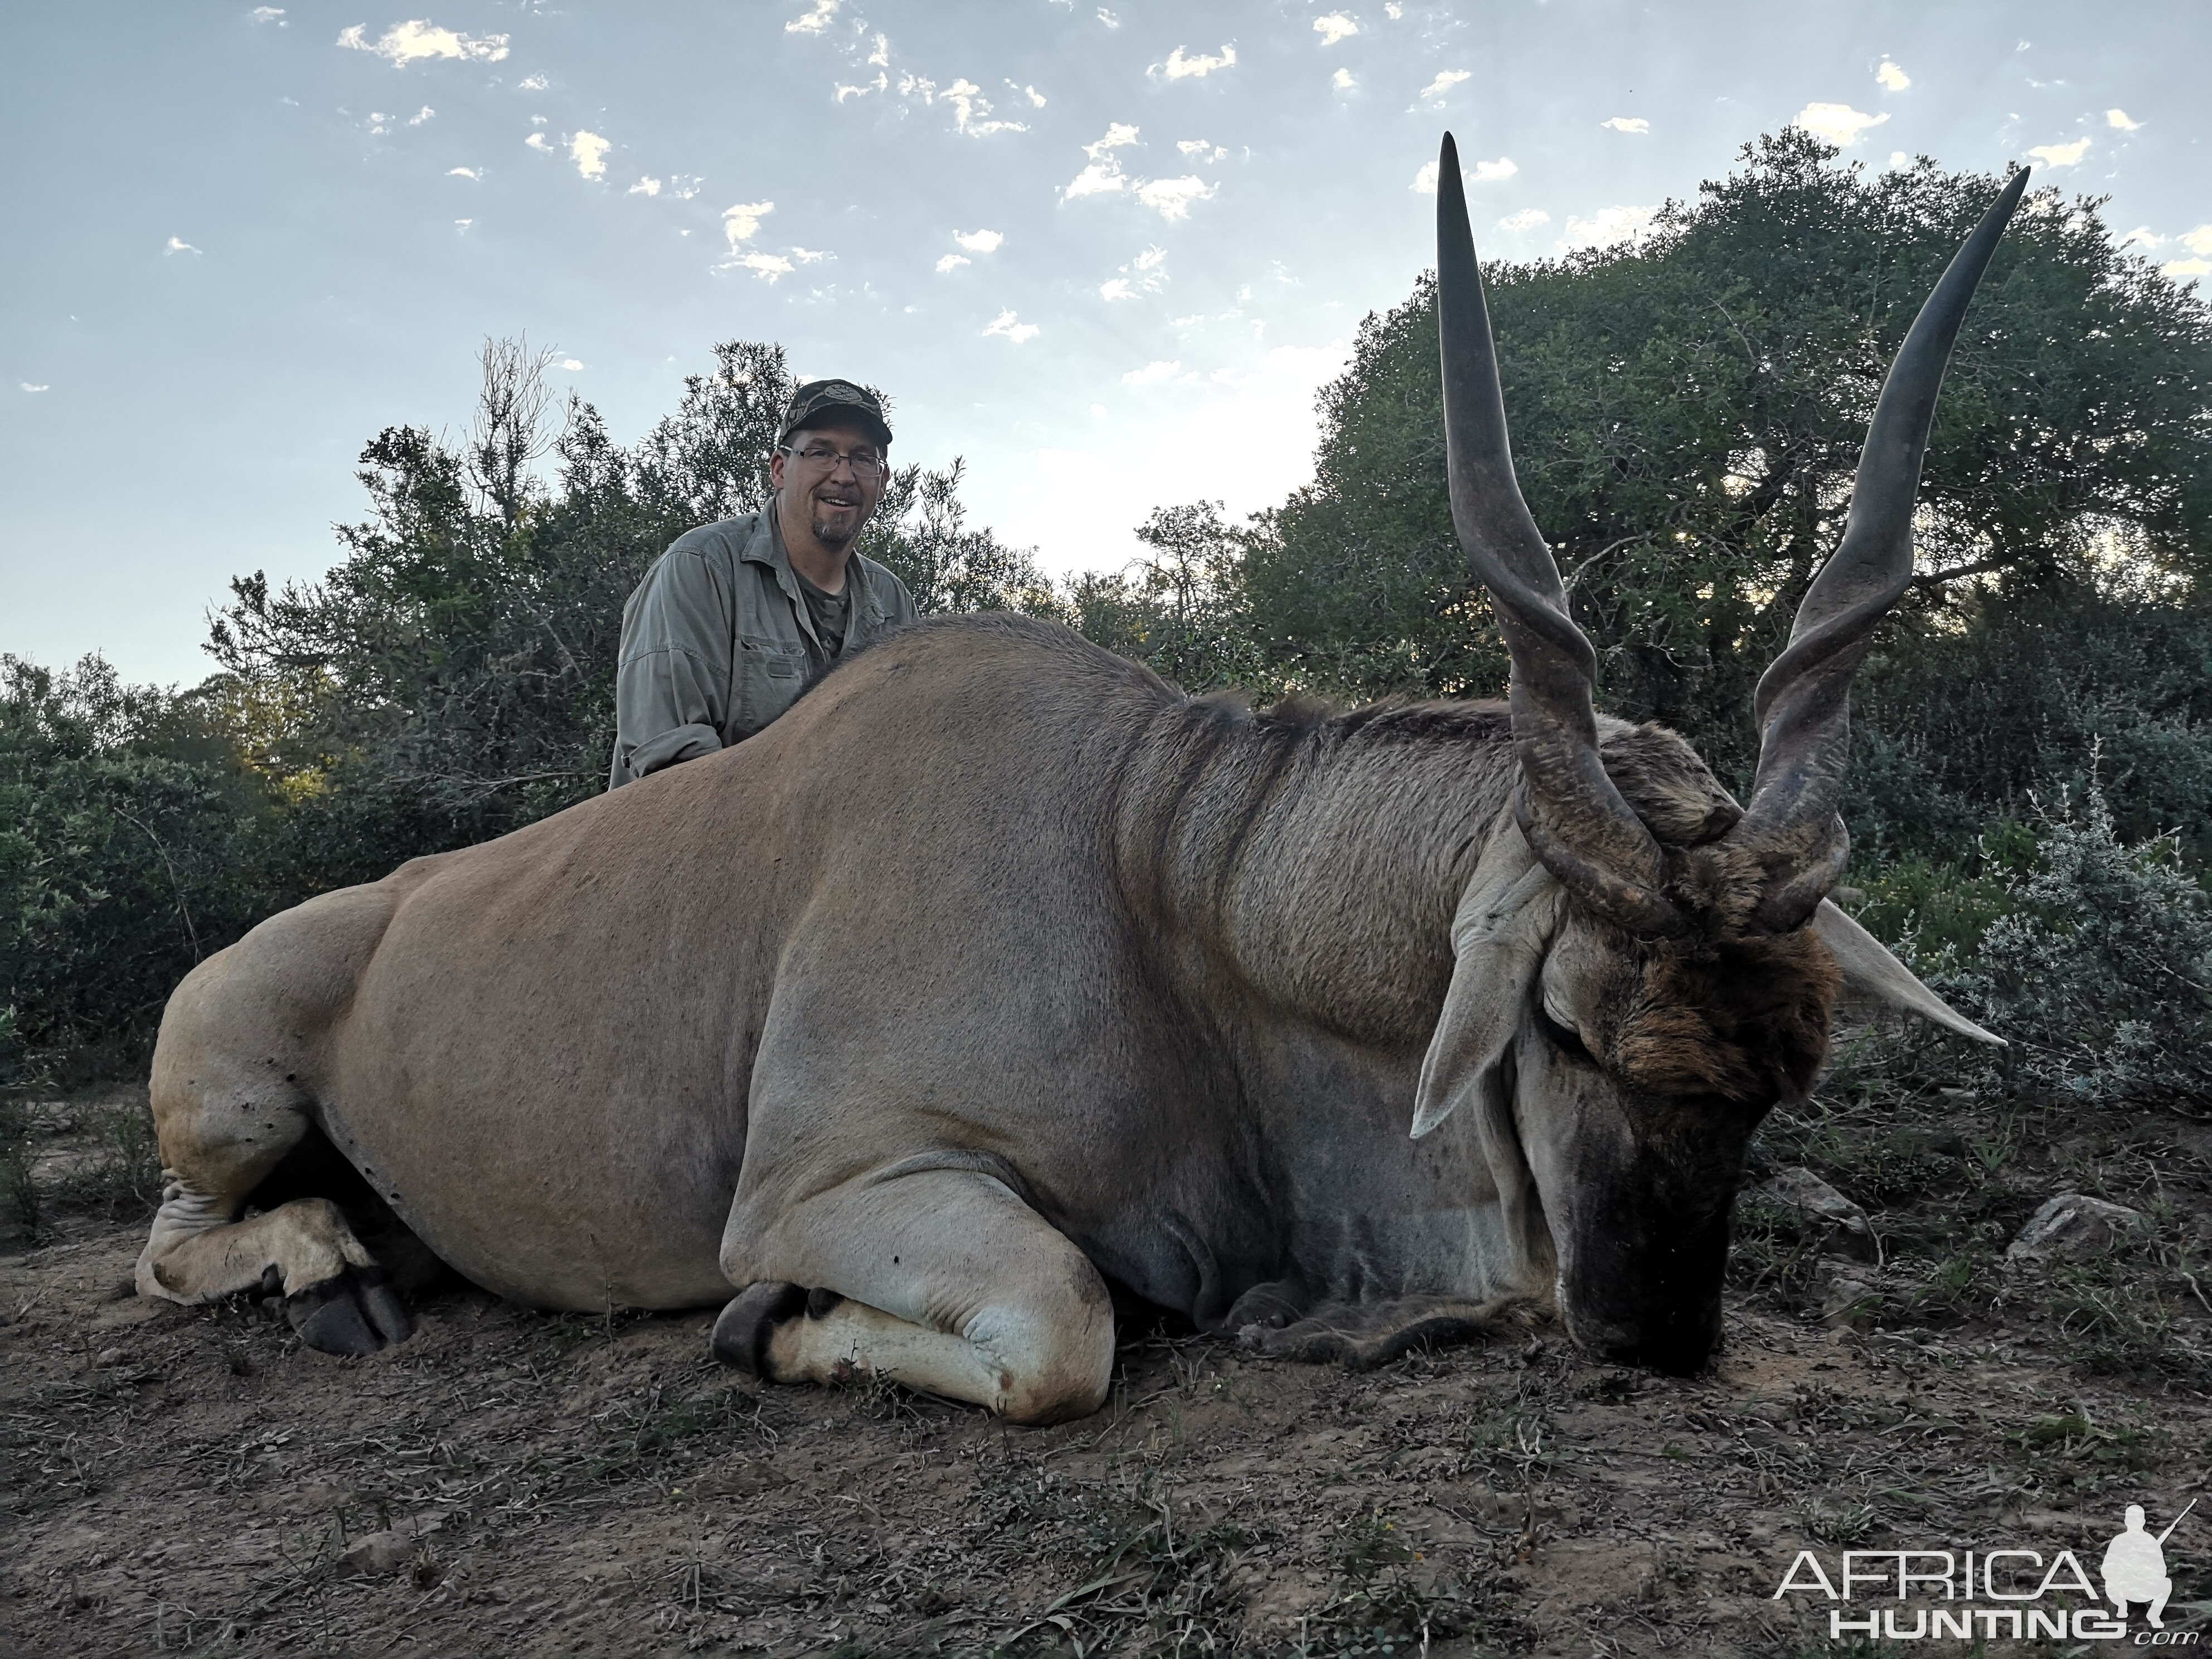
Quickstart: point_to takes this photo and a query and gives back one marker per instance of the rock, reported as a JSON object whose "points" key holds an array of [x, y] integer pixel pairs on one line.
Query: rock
{"points": [[1851, 1300], [109, 1357], [2074, 1225], [1837, 1224], [388, 1551]]}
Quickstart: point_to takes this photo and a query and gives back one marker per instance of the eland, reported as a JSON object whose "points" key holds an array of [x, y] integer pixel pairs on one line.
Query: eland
{"points": [[999, 974]]}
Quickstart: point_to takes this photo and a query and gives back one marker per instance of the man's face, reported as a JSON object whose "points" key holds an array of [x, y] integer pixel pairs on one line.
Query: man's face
{"points": [[833, 498]]}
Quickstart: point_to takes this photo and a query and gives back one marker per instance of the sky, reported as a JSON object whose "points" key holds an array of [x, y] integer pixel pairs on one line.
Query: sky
{"points": [[1107, 254]]}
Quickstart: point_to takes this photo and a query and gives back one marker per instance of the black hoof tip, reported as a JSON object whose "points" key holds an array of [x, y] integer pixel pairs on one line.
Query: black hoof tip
{"points": [[352, 1315], [742, 1332]]}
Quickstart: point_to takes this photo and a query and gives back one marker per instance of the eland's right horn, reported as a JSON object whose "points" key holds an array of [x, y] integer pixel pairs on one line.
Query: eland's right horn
{"points": [[1576, 820]]}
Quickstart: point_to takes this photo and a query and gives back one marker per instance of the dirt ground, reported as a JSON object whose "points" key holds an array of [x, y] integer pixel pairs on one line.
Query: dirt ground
{"points": [[508, 1482]]}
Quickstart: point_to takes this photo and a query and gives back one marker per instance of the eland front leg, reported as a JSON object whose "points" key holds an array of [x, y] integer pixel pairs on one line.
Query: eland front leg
{"points": [[940, 1279]]}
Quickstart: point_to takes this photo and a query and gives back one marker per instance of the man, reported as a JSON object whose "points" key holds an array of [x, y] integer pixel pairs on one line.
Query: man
{"points": [[2135, 1566], [736, 619]]}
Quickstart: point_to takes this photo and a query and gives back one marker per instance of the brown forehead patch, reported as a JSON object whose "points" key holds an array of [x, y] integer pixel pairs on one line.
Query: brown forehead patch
{"points": [[1745, 1019]]}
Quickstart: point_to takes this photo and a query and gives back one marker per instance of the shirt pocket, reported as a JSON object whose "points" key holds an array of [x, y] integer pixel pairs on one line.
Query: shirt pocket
{"points": [[781, 660]]}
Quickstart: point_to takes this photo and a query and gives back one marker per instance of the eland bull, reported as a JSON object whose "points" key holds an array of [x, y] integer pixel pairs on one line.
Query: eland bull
{"points": [[999, 972]]}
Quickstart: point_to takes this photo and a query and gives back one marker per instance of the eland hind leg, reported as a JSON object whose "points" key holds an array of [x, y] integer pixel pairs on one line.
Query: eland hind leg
{"points": [[940, 1279], [231, 1097]]}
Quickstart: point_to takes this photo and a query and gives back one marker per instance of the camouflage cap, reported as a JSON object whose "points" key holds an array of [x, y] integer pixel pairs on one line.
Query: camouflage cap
{"points": [[817, 400]]}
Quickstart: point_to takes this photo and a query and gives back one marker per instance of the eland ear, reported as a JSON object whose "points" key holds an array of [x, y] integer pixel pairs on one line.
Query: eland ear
{"points": [[1497, 941], [1871, 973]]}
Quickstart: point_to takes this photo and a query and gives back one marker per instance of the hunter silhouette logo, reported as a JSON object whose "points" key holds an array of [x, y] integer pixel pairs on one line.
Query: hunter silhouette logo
{"points": [[2135, 1566], [1992, 1594]]}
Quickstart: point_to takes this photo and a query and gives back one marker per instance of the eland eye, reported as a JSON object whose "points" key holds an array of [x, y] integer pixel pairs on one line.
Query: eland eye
{"points": [[1563, 1037]]}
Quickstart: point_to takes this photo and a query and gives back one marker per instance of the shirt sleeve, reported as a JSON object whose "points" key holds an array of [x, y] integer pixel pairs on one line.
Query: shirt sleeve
{"points": [[673, 679]]}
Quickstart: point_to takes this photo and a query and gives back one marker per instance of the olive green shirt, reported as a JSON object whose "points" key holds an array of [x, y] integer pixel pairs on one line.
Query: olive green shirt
{"points": [[718, 640]]}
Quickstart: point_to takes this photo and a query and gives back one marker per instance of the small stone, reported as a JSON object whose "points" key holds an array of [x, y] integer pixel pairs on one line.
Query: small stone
{"points": [[387, 1551], [2074, 1225], [1850, 1301], [1801, 1190], [111, 1357]]}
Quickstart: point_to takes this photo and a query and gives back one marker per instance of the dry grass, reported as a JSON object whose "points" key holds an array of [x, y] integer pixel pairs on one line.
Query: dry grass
{"points": [[193, 1481]]}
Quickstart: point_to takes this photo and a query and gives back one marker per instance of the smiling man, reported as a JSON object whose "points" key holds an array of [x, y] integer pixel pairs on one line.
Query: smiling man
{"points": [[736, 619]]}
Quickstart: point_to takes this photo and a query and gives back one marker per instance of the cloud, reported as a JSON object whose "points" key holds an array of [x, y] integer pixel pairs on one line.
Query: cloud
{"points": [[538, 141], [1108, 19], [881, 56], [1117, 288], [807, 256], [1839, 124], [1445, 81], [1035, 98], [177, 245], [683, 186], [589, 152], [2187, 268], [1153, 373], [2141, 236], [862, 89], [571, 364], [740, 223], [2118, 118], [1202, 149], [1482, 172], [769, 267], [815, 21], [1607, 226], [1104, 176], [1335, 27], [1342, 81], [1118, 134], [532, 84], [949, 263], [2061, 155], [259, 15], [1178, 66], [463, 224], [1627, 124], [1527, 219], [1011, 327], [971, 112], [462, 172], [1099, 179], [1171, 197], [1898, 160], [647, 185], [28, 386], [1393, 10], [413, 42], [980, 241], [1891, 77], [1153, 258], [421, 116]]}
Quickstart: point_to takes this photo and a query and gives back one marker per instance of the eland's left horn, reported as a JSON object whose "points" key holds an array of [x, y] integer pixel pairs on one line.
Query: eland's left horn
{"points": [[1791, 828]]}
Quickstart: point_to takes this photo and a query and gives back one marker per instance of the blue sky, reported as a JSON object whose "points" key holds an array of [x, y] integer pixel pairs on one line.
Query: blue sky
{"points": [[1107, 253]]}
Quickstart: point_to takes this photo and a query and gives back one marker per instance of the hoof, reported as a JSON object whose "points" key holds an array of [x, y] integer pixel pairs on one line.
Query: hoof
{"points": [[742, 1332], [355, 1313]]}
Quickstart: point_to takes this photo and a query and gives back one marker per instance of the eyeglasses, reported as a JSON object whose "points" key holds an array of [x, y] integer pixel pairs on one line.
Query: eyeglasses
{"points": [[866, 463]]}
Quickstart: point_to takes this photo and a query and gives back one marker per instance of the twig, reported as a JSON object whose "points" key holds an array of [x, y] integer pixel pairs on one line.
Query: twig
{"points": [[177, 885]]}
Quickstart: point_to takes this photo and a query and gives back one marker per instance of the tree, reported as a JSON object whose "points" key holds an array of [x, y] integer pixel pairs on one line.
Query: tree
{"points": [[452, 677], [1179, 609], [1688, 411]]}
